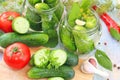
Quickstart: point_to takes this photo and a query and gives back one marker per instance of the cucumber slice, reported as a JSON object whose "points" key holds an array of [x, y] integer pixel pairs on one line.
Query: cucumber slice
{"points": [[20, 25], [55, 78], [41, 58], [58, 57]]}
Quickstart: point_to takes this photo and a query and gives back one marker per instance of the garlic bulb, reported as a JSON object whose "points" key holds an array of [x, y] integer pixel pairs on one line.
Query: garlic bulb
{"points": [[90, 66]]}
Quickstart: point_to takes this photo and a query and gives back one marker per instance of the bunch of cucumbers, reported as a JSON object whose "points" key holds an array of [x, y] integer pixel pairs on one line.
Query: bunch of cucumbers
{"points": [[47, 63], [42, 34]]}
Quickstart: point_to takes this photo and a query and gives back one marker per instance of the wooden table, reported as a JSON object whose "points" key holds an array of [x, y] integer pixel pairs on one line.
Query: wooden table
{"points": [[8, 74]]}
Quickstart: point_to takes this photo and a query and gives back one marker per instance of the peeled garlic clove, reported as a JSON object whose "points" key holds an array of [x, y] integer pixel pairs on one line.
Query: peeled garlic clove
{"points": [[93, 61], [79, 22]]}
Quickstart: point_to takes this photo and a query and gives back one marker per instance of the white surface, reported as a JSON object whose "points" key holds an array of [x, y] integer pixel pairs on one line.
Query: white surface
{"points": [[112, 49]]}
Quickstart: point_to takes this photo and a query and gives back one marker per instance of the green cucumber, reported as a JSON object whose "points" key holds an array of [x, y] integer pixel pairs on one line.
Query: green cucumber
{"points": [[72, 59], [33, 2], [34, 20], [31, 62], [55, 78], [41, 58], [67, 38], [63, 71], [41, 7], [20, 25], [57, 58], [30, 39]]}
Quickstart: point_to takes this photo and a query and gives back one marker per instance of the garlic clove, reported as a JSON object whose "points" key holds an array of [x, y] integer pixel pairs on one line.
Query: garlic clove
{"points": [[90, 66], [79, 22], [87, 67]]}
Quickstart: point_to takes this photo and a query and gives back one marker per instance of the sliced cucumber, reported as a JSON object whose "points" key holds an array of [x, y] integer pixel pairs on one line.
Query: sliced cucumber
{"points": [[58, 57], [20, 25], [55, 78], [41, 58]]}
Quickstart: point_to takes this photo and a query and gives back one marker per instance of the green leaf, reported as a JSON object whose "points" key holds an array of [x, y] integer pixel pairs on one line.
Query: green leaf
{"points": [[86, 4], [115, 34], [103, 59], [74, 13]]}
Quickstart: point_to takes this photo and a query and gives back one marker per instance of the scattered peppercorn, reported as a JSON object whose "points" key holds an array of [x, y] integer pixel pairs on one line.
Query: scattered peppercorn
{"points": [[107, 78], [114, 65], [99, 43], [105, 43], [118, 67]]}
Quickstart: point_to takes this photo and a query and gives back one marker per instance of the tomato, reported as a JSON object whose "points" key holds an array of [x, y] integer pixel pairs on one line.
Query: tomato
{"points": [[17, 55], [6, 20]]}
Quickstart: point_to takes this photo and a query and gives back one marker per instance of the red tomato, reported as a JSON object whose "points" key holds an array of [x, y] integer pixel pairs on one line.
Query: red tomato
{"points": [[6, 20], [17, 55]]}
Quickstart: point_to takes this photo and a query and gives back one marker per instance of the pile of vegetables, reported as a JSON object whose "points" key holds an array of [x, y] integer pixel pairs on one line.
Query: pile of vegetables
{"points": [[48, 63], [20, 28], [16, 30], [16, 37]]}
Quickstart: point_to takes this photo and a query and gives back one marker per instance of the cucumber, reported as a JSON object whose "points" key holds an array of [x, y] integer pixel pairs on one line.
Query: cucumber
{"points": [[41, 58], [57, 57], [41, 7], [72, 59], [20, 25], [67, 39], [55, 78], [31, 62], [31, 39], [34, 20], [33, 2], [63, 71]]}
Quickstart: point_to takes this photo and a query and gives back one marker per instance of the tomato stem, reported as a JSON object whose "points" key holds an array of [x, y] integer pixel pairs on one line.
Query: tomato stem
{"points": [[10, 18], [15, 49]]}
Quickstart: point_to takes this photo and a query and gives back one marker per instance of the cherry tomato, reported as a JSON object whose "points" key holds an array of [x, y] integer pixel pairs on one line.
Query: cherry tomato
{"points": [[6, 20], [17, 55]]}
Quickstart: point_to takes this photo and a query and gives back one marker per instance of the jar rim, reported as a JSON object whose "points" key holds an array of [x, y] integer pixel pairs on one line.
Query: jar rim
{"points": [[90, 30], [43, 11]]}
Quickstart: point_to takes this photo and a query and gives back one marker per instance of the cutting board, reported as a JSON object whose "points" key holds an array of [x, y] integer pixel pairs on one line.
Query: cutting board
{"points": [[7, 73]]}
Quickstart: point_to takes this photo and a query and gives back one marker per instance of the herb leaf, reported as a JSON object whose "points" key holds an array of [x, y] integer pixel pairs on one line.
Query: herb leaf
{"points": [[103, 59]]}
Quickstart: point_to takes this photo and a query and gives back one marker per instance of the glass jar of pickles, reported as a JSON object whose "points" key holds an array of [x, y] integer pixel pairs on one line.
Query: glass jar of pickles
{"points": [[79, 30], [44, 15]]}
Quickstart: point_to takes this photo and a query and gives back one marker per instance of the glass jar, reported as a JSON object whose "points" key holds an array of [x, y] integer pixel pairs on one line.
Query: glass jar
{"points": [[78, 39], [45, 20]]}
